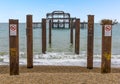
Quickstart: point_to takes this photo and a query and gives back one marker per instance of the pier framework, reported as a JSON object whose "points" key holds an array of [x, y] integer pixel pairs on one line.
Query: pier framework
{"points": [[59, 19]]}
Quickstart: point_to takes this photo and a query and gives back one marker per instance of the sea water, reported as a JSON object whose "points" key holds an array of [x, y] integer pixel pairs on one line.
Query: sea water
{"points": [[61, 52]]}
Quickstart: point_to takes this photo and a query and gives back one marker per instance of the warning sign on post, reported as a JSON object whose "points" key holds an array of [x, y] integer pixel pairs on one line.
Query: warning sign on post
{"points": [[108, 29], [13, 29]]}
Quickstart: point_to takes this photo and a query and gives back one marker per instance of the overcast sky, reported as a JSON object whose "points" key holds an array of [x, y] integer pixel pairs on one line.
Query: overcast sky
{"points": [[18, 9]]}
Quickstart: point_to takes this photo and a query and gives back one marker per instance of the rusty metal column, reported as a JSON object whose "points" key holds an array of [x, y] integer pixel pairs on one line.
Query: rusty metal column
{"points": [[106, 45], [71, 32], [50, 32], [14, 47], [52, 21], [69, 22], [29, 33], [90, 41], [77, 36], [43, 36], [64, 21]]}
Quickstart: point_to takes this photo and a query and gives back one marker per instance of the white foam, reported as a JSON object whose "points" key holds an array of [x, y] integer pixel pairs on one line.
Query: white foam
{"points": [[62, 59]]}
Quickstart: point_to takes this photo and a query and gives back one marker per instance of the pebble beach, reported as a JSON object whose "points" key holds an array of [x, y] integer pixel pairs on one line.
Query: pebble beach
{"points": [[59, 75]]}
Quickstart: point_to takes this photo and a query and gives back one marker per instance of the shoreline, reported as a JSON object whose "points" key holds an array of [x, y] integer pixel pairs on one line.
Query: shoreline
{"points": [[59, 75], [63, 62]]}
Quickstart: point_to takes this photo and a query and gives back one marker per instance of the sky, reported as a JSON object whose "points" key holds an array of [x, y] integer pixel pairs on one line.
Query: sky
{"points": [[18, 9]]}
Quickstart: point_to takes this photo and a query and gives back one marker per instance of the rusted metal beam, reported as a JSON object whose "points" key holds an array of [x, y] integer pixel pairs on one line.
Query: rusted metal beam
{"points": [[29, 33], [59, 20], [14, 47], [106, 45], [90, 41]]}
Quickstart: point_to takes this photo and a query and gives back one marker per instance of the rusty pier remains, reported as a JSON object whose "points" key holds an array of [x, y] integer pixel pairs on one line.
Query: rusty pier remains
{"points": [[59, 19]]}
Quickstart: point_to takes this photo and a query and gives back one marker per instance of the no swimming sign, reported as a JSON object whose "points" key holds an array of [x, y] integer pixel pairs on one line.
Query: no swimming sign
{"points": [[13, 29], [108, 29]]}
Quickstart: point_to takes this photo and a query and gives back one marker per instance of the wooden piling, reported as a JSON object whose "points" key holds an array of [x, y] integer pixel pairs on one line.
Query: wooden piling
{"points": [[29, 33], [50, 34], [71, 32], [106, 45], [77, 36], [90, 41], [43, 36], [14, 47]]}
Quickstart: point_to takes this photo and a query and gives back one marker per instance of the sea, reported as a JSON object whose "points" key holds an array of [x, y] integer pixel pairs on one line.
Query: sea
{"points": [[61, 52]]}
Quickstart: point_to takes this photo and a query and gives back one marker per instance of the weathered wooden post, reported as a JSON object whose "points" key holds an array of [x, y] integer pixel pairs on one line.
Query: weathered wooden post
{"points": [[14, 47], [71, 32], [43, 36], [106, 45], [90, 41], [29, 33], [77, 35], [50, 34]]}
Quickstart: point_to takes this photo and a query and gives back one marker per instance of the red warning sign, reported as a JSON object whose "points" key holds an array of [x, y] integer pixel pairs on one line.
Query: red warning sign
{"points": [[13, 29], [108, 29]]}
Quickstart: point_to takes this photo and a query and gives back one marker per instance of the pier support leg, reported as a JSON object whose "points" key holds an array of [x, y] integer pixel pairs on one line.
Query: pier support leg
{"points": [[50, 33], [29, 33], [90, 41], [77, 36], [43, 36], [106, 45], [14, 47], [71, 32]]}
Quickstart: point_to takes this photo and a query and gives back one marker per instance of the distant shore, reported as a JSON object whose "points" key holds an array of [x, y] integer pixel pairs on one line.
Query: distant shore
{"points": [[59, 75]]}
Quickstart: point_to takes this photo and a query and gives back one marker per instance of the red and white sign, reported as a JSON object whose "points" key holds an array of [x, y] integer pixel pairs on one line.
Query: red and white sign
{"points": [[13, 29], [108, 29]]}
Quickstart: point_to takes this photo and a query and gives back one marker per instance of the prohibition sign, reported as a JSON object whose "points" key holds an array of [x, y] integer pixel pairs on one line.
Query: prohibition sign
{"points": [[13, 28], [108, 29]]}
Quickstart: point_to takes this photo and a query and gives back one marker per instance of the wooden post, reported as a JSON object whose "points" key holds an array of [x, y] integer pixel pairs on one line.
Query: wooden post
{"points": [[14, 47], [29, 34], [90, 41], [71, 32], [106, 45], [50, 32], [77, 36], [43, 36]]}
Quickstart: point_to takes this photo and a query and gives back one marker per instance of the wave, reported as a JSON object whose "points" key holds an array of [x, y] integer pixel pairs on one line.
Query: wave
{"points": [[61, 59]]}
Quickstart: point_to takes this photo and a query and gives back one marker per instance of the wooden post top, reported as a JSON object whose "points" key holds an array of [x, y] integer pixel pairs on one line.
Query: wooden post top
{"points": [[29, 15], [13, 21], [43, 18], [106, 22], [91, 15], [90, 19]]}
